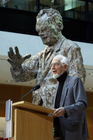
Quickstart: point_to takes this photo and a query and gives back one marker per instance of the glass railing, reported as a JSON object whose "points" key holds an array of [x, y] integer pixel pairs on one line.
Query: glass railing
{"points": [[69, 8], [36, 5]]}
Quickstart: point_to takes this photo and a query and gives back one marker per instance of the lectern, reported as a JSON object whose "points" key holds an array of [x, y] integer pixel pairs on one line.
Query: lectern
{"points": [[31, 122]]}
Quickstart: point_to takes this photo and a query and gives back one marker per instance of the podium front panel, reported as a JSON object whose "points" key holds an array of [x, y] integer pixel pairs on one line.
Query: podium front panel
{"points": [[30, 125]]}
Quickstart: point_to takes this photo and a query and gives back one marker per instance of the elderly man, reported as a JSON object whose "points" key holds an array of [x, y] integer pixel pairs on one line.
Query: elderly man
{"points": [[49, 25], [70, 103]]}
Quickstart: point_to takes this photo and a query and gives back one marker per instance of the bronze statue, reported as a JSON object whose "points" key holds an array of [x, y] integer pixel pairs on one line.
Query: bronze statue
{"points": [[49, 26]]}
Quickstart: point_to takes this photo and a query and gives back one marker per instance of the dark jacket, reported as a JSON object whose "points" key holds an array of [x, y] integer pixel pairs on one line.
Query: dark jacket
{"points": [[74, 100]]}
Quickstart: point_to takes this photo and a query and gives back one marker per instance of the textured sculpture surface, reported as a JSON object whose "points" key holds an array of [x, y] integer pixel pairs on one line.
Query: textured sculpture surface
{"points": [[49, 26]]}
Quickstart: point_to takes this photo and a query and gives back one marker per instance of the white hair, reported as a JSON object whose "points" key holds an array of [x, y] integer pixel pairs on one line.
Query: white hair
{"points": [[62, 59]]}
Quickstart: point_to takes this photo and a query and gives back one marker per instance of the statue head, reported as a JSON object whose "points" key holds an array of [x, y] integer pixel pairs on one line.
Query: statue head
{"points": [[49, 25]]}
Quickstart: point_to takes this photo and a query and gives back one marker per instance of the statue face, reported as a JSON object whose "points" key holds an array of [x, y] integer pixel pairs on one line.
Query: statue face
{"points": [[49, 26], [48, 33]]}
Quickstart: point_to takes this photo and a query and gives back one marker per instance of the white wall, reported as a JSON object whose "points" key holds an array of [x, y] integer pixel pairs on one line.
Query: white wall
{"points": [[26, 43]]}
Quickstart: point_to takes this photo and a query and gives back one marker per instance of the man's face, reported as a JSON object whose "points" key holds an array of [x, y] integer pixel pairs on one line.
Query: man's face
{"points": [[48, 34], [57, 67]]}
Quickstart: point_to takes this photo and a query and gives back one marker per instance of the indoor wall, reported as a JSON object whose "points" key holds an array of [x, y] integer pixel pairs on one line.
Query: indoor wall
{"points": [[14, 93]]}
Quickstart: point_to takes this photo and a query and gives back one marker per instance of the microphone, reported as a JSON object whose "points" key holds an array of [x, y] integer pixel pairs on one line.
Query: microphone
{"points": [[33, 89]]}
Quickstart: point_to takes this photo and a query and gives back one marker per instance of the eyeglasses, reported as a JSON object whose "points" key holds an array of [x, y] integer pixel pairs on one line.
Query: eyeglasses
{"points": [[55, 64]]}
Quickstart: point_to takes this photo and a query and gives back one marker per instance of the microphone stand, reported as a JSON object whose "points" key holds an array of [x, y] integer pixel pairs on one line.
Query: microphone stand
{"points": [[26, 94], [33, 89]]}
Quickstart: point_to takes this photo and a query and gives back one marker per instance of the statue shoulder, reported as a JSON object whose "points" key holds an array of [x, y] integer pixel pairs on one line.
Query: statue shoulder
{"points": [[70, 44]]}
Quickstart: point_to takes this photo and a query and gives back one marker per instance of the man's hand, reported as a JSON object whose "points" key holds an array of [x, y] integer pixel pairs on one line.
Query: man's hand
{"points": [[15, 59], [59, 112]]}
